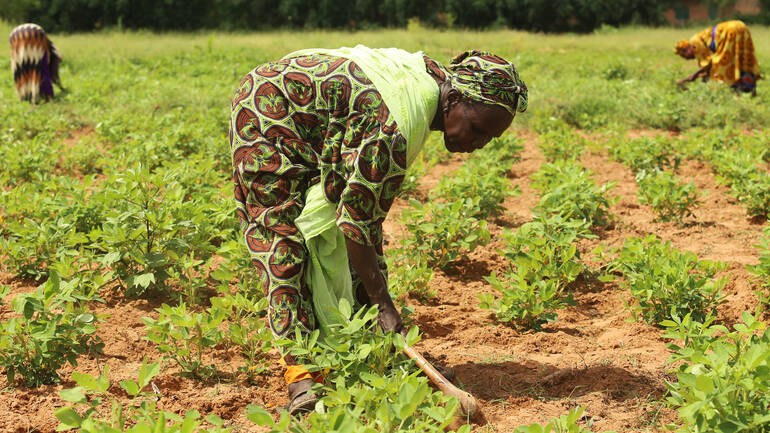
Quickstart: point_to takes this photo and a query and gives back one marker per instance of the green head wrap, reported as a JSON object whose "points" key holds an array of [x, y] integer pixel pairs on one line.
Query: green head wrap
{"points": [[487, 78]]}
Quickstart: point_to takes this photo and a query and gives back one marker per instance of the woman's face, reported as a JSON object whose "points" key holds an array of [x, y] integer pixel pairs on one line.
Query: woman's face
{"points": [[469, 125], [688, 53]]}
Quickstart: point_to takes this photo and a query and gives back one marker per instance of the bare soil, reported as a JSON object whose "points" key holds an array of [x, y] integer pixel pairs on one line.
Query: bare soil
{"points": [[592, 356]]}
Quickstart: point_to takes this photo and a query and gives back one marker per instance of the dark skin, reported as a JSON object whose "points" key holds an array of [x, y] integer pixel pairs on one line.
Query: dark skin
{"points": [[689, 54], [467, 126]]}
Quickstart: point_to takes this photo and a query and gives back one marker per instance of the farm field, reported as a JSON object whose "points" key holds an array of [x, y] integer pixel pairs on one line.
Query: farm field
{"points": [[615, 206]]}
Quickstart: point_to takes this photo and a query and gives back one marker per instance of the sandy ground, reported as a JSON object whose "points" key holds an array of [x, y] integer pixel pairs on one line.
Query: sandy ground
{"points": [[592, 356]]}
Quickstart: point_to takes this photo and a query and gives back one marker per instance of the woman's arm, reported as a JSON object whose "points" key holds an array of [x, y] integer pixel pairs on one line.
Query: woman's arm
{"points": [[363, 258], [700, 72]]}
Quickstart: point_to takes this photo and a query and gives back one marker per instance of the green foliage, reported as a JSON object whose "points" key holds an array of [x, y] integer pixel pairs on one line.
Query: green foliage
{"points": [[139, 415], [565, 15], [156, 231], [51, 328], [369, 385], [409, 273], [723, 377], [762, 270], [247, 330], [666, 282], [442, 231], [544, 260], [569, 191], [645, 155], [561, 144], [670, 199], [524, 304], [483, 176], [184, 336], [568, 423], [749, 183]]}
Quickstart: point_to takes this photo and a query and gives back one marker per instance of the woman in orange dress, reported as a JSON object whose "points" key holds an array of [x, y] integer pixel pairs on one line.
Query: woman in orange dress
{"points": [[724, 53]]}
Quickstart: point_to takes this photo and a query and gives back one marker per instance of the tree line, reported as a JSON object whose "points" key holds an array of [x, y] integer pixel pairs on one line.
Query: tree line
{"points": [[534, 15]]}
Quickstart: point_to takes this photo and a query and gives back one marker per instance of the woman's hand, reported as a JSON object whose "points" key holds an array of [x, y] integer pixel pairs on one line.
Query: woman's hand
{"points": [[389, 319], [363, 259]]}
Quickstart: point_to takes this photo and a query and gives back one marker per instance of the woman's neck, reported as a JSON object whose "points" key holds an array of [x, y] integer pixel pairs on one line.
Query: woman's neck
{"points": [[437, 124]]}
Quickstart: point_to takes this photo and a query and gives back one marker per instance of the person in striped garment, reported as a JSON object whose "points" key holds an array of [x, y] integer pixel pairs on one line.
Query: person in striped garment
{"points": [[34, 63]]}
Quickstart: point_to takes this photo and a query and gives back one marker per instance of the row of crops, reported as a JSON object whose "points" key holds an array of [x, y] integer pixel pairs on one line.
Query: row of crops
{"points": [[97, 217]]}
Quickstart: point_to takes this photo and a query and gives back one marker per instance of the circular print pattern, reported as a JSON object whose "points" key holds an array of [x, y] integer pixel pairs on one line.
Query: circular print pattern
{"points": [[270, 102], [244, 89], [494, 59], [370, 103], [257, 242], [374, 161], [299, 87], [263, 277], [269, 189], [357, 74], [286, 260], [333, 186], [276, 217], [353, 233], [335, 92], [390, 189], [270, 70], [309, 128], [330, 65], [280, 131], [399, 151], [246, 124], [359, 201]]}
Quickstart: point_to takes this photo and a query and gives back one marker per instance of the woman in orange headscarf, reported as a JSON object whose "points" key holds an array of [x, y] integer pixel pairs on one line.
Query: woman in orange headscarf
{"points": [[725, 53]]}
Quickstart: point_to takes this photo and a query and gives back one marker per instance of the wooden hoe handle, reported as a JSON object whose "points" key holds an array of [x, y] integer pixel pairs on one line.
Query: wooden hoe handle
{"points": [[468, 404]]}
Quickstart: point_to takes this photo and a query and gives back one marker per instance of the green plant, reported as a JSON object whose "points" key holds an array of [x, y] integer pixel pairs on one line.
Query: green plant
{"points": [[646, 155], [369, 385], [544, 259], [139, 415], [247, 330], [561, 143], [52, 329], [665, 281], [569, 191], [156, 233], [762, 270], [483, 176], [723, 377], [409, 273], [183, 336], [669, 199], [525, 304], [441, 231], [564, 424]]}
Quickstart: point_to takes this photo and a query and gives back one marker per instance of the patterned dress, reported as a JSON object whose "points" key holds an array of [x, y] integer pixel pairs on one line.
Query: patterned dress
{"points": [[34, 63], [296, 122], [727, 47]]}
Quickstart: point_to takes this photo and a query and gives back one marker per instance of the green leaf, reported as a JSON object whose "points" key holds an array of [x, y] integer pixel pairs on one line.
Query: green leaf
{"points": [[74, 395], [144, 280], [68, 417], [147, 372], [130, 386], [259, 416]]}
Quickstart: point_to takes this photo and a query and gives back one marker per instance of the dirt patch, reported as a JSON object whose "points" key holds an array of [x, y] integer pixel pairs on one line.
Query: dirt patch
{"points": [[593, 355]]}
